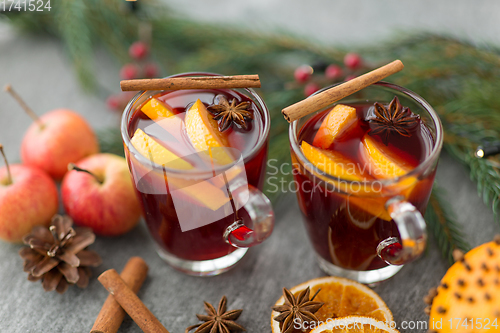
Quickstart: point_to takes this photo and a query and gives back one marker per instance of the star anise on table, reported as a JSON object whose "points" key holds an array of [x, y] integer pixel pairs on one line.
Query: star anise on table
{"points": [[393, 118], [227, 114], [58, 256], [300, 307], [218, 321]]}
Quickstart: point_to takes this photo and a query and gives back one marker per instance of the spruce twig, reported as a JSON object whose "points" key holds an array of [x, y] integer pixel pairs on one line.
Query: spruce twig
{"points": [[441, 222]]}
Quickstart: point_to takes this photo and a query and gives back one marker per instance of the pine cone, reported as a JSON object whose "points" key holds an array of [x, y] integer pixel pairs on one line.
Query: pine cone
{"points": [[57, 255]]}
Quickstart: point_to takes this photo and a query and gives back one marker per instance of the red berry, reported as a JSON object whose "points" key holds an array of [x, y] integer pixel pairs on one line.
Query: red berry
{"points": [[333, 72], [349, 77], [352, 60], [129, 72], [138, 50], [303, 73], [150, 70], [311, 88], [113, 102]]}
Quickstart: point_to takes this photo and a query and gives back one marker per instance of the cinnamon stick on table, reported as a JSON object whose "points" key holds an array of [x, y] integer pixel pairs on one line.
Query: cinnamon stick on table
{"points": [[203, 82], [111, 315], [327, 97], [129, 301]]}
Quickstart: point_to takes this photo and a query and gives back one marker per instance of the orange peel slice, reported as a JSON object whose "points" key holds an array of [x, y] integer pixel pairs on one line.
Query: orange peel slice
{"points": [[338, 120]]}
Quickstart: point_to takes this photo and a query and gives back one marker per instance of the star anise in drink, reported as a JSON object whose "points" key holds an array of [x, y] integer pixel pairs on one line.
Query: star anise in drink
{"points": [[300, 307], [228, 114], [218, 321], [390, 119]]}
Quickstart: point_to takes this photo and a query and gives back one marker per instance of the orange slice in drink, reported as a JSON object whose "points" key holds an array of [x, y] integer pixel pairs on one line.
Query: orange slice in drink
{"points": [[342, 297], [385, 162], [355, 324], [332, 163], [335, 164], [155, 152], [155, 109], [338, 120], [204, 134], [203, 193]]}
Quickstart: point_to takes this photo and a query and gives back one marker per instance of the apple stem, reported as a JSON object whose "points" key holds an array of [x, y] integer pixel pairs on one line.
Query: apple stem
{"points": [[9, 175], [8, 88], [72, 166]]}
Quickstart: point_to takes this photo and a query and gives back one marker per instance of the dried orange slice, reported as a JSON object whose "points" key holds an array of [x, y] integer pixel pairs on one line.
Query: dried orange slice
{"points": [[339, 119], [203, 132], [355, 324], [342, 297]]}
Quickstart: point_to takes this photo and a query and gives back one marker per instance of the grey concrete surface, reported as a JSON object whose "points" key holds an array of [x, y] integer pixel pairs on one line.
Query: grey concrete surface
{"points": [[39, 70]]}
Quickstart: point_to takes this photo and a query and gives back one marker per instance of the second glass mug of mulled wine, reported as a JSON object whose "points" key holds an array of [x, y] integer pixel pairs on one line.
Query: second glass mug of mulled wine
{"points": [[364, 169], [199, 181]]}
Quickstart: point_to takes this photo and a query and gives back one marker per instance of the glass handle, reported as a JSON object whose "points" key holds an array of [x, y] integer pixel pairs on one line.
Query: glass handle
{"points": [[261, 214], [412, 229]]}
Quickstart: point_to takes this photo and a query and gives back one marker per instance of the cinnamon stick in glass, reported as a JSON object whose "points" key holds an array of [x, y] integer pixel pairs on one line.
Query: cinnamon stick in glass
{"points": [[327, 97], [203, 82], [129, 301], [111, 315]]}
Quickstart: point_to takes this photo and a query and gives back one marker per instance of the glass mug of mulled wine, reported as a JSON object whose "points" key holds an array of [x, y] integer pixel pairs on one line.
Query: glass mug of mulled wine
{"points": [[199, 180], [364, 169]]}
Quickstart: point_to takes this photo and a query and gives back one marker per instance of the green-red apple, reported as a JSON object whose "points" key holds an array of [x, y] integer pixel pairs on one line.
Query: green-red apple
{"points": [[104, 200], [57, 138], [27, 198]]}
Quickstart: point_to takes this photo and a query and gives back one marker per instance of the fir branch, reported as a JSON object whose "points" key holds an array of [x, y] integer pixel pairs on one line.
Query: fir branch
{"points": [[441, 222], [110, 140]]}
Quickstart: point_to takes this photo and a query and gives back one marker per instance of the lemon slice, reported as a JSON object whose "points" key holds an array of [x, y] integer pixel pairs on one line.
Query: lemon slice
{"points": [[155, 152], [203, 132], [340, 118]]}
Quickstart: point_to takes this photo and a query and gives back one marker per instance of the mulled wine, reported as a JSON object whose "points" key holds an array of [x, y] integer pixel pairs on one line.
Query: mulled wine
{"points": [[349, 161], [186, 171]]}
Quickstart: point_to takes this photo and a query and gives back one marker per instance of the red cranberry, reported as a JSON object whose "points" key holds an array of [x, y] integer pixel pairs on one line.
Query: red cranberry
{"points": [[303, 73], [352, 60], [113, 102], [151, 70], [311, 88], [333, 72], [129, 72], [138, 50]]}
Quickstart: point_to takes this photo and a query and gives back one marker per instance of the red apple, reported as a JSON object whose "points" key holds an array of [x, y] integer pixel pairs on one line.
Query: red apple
{"points": [[103, 200], [58, 138], [28, 197]]}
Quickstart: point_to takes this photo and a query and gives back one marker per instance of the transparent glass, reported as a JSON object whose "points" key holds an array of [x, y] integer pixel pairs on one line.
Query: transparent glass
{"points": [[366, 230], [202, 219]]}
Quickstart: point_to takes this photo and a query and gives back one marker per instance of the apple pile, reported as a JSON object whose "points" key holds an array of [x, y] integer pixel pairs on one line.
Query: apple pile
{"points": [[97, 191]]}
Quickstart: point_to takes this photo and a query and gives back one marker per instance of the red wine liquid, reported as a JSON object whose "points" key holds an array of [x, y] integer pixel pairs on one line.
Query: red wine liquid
{"points": [[161, 216], [342, 232]]}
